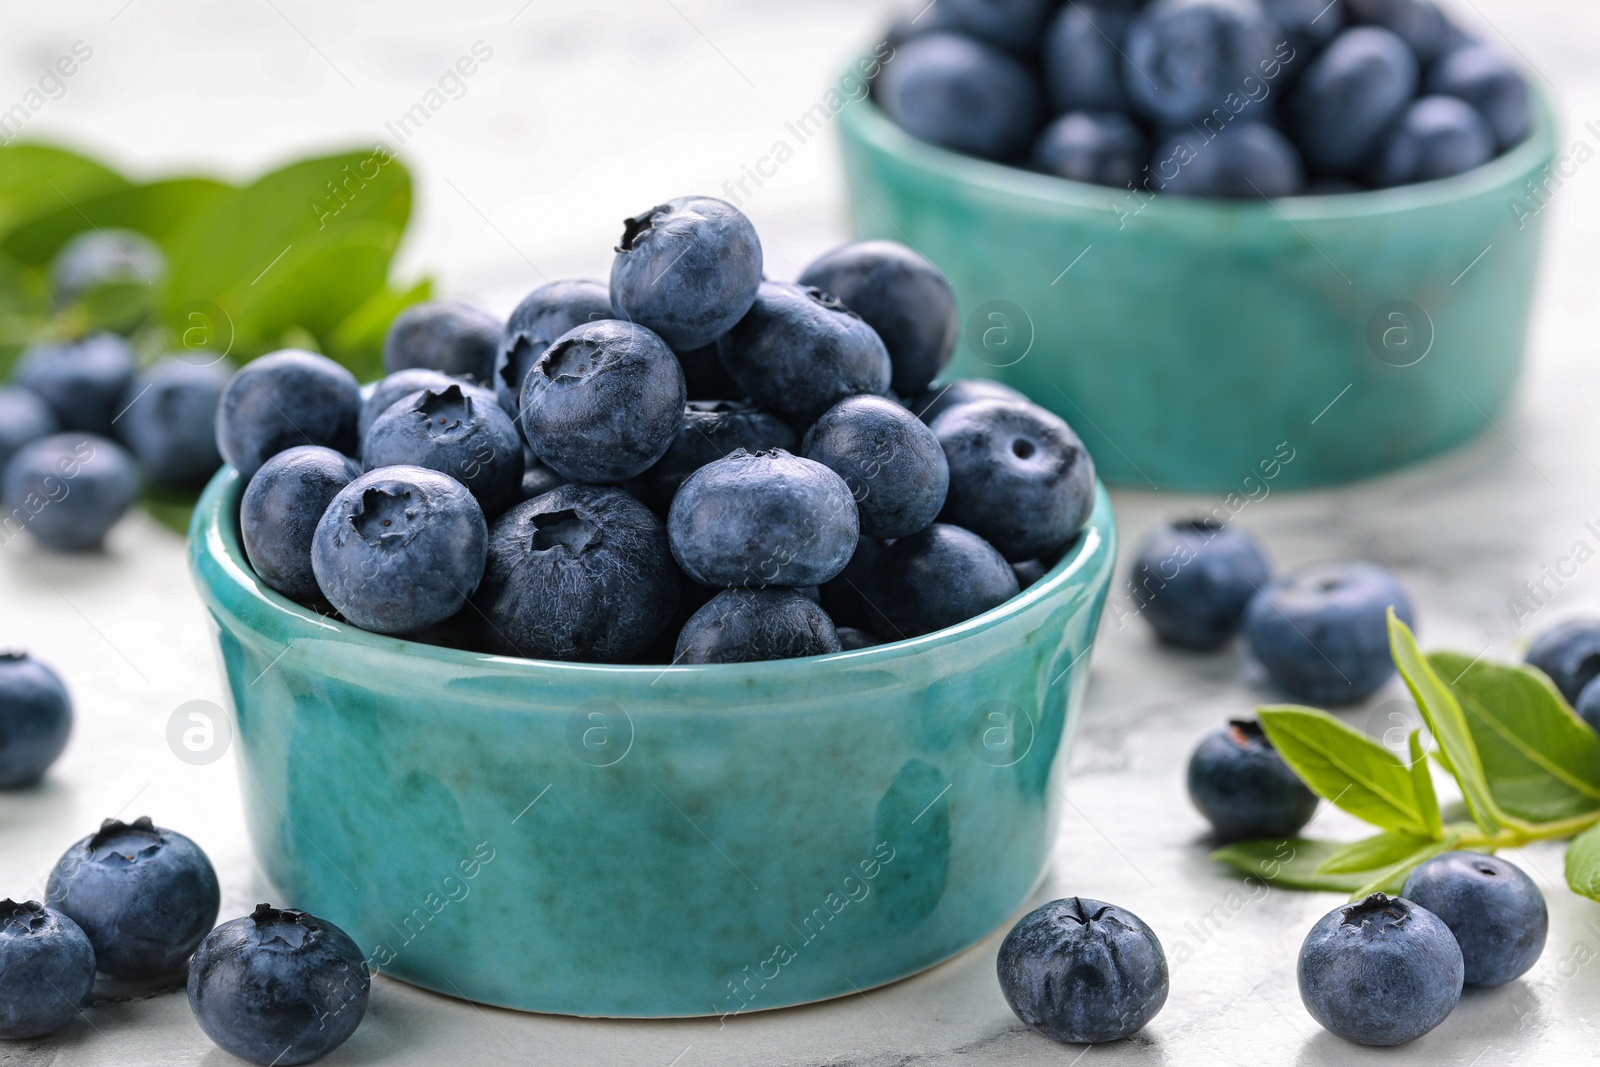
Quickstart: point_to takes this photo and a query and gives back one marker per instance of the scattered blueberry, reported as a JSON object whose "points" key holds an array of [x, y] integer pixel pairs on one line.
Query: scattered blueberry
{"points": [[46, 970], [68, 490], [1083, 971], [279, 514], [400, 549], [1244, 788], [1419, 23], [710, 430], [1083, 58], [750, 625], [24, 418], [1323, 633], [1184, 58], [582, 572], [543, 316], [1569, 654], [449, 336], [763, 518], [1193, 580], [104, 256], [1436, 137], [278, 986], [892, 463], [35, 720], [904, 298], [462, 432], [959, 93], [1349, 98], [1483, 78], [1496, 913], [1246, 161], [144, 895], [286, 399], [687, 269], [84, 382], [939, 398], [392, 388], [1380, 972], [1019, 476], [937, 578], [604, 402], [169, 418], [1100, 147]]}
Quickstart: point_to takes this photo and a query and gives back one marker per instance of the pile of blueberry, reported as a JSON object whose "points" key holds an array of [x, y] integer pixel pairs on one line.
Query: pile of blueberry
{"points": [[1207, 98], [135, 901], [692, 465], [1321, 632]]}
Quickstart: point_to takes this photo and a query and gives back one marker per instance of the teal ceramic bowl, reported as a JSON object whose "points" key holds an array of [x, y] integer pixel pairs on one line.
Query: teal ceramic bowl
{"points": [[646, 841], [1220, 346]]}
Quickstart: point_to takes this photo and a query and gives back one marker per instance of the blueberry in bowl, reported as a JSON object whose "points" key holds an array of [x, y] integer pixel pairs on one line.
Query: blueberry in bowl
{"points": [[448, 336], [462, 432], [286, 399], [542, 317]]}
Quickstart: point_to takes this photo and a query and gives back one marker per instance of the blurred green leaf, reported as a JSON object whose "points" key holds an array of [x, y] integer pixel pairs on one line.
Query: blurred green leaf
{"points": [[38, 179], [155, 210], [359, 338]]}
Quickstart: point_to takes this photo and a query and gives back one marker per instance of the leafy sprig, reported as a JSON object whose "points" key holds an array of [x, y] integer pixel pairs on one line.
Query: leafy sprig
{"points": [[1528, 769]]}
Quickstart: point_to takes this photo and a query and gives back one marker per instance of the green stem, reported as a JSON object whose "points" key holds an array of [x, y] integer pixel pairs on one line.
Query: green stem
{"points": [[1523, 833]]}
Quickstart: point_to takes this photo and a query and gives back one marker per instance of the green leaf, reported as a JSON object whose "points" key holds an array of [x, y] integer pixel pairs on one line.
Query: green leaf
{"points": [[1373, 853], [1349, 769], [1423, 781], [1392, 879], [1541, 761], [38, 179], [1288, 864], [1583, 863], [155, 209], [1447, 723]]}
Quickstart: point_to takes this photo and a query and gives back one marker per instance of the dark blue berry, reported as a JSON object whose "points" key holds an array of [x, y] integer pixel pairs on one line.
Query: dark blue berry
{"points": [[392, 388], [1380, 972], [46, 970], [842, 595], [1307, 25], [448, 336], [84, 382], [1349, 98], [604, 402], [279, 514], [1246, 161], [1497, 914], [1083, 58], [891, 461], [961, 94], [1083, 971], [1569, 654], [705, 376], [851, 639], [750, 625], [35, 719], [286, 399], [400, 549], [710, 430], [1193, 580], [1419, 23], [460, 431], [1436, 137], [537, 479], [1185, 58], [543, 316], [1100, 147], [68, 490], [169, 420], [278, 986], [24, 418], [1014, 25], [1244, 788], [144, 895], [935, 579], [1482, 77]]}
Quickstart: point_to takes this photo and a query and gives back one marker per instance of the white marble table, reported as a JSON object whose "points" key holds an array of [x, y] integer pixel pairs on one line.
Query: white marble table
{"points": [[528, 174]]}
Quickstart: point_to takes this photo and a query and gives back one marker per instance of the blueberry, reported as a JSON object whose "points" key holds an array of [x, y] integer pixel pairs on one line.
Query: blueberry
{"points": [[35, 720], [104, 256], [937, 578], [800, 351], [891, 461], [1380, 972], [1588, 706], [1019, 476], [763, 518], [1185, 58], [851, 639], [1349, 98], [279, 514], [537, 479], [1569, 654], [1014, 25], [1030, 572], [1322, 632], [278, 986], [750, 625], [1307, 25], [1481, 76], [1083, 58], [905, 299], [1100, 147], [286, 399], [961, 94], [687, 269], [1193, 580], [1436, 137], [1419, 23], [939, 398], [543, 316], [169, 419], [581, 573], [46, 970], [449, 336], [1247, 160], [68, 490], [1496, 913], [842, 594], [395, 387], [710, 430], [400, 549], [705, 376], [144, 895], [1244, 788], [604, 402], [84, 382], [24, 418], [1083, 971], [460, 431]]}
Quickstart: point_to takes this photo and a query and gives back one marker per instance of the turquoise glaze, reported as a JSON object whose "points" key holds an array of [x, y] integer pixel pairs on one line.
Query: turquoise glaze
{"points": [[647, 841], [1194, 344]]}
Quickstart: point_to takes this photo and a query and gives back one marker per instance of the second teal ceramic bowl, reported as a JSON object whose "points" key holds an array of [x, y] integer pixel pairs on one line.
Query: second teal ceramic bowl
{"points": [[1201, 345], [647, 841]]}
